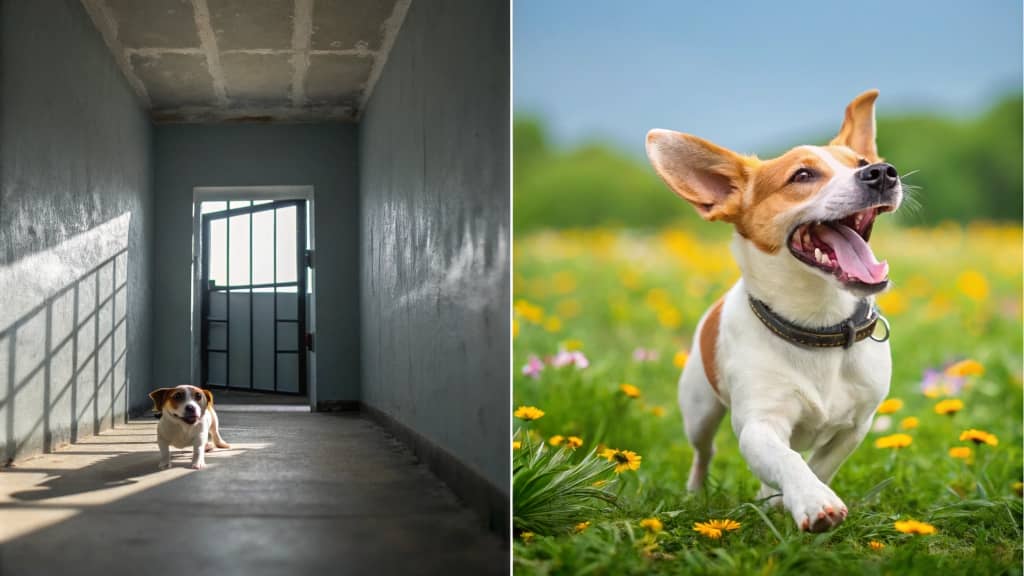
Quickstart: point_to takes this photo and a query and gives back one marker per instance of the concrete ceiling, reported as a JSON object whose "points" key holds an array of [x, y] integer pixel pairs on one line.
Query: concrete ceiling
{"points": [[250, 60]]}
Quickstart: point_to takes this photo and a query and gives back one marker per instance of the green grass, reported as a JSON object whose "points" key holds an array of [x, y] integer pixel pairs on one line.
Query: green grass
{"points": [[957, 295]]}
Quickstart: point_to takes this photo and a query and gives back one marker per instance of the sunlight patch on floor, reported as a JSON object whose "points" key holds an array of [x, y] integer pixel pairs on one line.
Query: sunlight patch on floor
{"points": [[41, 491]]}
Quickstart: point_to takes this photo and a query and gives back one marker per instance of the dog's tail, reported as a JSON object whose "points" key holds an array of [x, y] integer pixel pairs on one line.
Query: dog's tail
{"points": [[215, 433]]}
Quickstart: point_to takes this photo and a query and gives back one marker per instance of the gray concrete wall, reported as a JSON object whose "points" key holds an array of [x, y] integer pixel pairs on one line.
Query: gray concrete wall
{"points": [[320, 155], [434, 189], [75, 231]]}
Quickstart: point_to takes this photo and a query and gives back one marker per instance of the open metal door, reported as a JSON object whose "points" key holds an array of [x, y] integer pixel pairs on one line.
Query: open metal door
{"points": [[254, 295]]}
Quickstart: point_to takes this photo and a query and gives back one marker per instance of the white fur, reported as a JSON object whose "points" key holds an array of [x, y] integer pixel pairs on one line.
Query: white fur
{"points": [[787, 399]]}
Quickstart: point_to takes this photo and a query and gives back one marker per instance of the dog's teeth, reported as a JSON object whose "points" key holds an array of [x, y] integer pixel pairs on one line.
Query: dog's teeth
{"points": [[817, 254]]}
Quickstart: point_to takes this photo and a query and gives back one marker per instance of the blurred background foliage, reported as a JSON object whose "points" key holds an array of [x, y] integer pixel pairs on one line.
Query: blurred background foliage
{"points": [[967, 169]]}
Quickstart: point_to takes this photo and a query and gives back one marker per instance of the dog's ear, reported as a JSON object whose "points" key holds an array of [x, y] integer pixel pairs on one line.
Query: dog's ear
{"points": [[158, 397], [858, 130], [209, 398], [706, 175]]}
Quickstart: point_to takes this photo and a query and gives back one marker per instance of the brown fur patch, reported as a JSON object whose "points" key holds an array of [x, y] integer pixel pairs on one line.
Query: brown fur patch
{"points": [[772, 194], [159, 397], [858, 129], [750, 193], [163, 396], [709, 343]]}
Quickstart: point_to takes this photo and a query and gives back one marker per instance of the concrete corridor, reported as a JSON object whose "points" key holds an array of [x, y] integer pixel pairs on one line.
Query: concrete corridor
{"points": [[298, 493]]}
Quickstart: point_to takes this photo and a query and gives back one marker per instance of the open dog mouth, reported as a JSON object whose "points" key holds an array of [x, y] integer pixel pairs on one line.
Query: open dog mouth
{"points": [[840, 247]]}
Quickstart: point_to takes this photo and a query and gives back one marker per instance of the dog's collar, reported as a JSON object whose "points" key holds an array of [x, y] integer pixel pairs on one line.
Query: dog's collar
{"points": [[845, 334]]}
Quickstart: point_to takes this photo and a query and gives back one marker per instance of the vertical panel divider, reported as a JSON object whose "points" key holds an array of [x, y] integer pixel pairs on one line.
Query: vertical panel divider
{"points": [[275, 296], [252, 378], [300, 305], [227, 301]]}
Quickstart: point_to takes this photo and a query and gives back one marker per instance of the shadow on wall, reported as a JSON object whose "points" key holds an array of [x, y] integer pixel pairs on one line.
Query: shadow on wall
{"points": [[63, 361]]}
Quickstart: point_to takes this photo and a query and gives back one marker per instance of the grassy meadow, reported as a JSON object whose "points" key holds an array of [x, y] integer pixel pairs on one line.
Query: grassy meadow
{"points": [[603, 319]]}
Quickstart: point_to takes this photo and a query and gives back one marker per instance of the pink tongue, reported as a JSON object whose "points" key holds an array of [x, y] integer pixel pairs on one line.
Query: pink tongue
{"points": [[853, 253]]}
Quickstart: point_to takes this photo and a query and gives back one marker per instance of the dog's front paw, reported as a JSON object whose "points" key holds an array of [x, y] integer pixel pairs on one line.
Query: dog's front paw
{"points": [[815, 508], [164, 465], [198, 465]]}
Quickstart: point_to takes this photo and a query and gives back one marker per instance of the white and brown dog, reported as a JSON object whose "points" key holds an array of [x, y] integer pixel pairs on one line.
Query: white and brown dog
{"points": [[791, 348], [187, 419]]}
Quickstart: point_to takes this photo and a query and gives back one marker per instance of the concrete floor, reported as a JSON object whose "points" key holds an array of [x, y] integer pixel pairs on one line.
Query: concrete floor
{"points": [[298, 493]]}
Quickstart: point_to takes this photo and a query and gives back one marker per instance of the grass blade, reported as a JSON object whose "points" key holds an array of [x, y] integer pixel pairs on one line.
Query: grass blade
{"points": [[766, 520]]}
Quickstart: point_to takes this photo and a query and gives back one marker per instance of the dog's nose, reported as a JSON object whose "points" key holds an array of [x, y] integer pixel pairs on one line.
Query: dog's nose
{"points": [[879, 177], [190, 409]]}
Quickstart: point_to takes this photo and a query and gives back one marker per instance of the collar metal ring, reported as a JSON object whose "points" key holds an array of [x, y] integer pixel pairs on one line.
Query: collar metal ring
{"points": [[884, 323]]}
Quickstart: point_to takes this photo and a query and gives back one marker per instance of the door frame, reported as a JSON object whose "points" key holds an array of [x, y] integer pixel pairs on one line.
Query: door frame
{"points": [[237, 193]]}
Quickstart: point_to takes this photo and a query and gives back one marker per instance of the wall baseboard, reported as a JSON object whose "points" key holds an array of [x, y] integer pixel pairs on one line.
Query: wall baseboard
{"points": [[338, 405], [478, 493]]}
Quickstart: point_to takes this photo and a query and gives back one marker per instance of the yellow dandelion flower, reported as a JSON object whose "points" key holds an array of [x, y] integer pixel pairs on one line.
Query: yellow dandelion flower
{"points": [[707, 531], [894, 441], [876, 545], [914, 527], [630, 390], [652, 525], [556, 440], [909, 423], [624, 459], [581, 526], [714, 528], [961, 452], [574, 442], [979, 437], [949, 406], [889, 406], [657, 411], [973, 285], [657, 299], [679, 360], [532, 314], [892, 302], [669, 317], [630, 279], [564, 282], [526, 536], [572, 345], [516, 444], [528, 413], [965, 368], [569, 308], [1018, 487], [553, 324]]}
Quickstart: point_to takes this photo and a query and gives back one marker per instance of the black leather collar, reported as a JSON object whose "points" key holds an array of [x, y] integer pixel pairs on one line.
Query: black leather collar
{"points": [[844, 334]]}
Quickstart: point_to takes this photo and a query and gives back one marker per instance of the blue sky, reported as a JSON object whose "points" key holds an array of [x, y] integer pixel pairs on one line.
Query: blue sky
{"points": [[754, 75]]}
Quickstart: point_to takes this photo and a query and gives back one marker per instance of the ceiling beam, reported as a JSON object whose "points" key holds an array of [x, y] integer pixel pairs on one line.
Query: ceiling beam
{"points": [[208, 41], [302, 34]]}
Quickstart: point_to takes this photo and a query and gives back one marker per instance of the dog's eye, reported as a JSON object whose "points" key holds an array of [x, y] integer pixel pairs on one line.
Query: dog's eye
{"points": [[197, 396], [802, 175], [179, 395]]}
